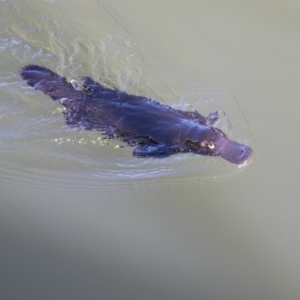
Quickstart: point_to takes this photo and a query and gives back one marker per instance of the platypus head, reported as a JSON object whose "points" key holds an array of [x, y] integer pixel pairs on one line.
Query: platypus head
{"points": [[216, 143], [232, 151]]}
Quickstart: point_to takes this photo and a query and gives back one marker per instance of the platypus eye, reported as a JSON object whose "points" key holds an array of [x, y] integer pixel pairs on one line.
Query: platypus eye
{"points": [[208, 144], [211, 145]]}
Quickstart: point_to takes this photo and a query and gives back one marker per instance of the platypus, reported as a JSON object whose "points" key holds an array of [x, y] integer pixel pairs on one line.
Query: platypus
{"points": [[156, 129]]}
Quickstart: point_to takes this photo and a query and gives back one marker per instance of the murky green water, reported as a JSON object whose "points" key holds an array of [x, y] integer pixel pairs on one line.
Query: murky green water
{"points": [[81, 218], [114, 57]]}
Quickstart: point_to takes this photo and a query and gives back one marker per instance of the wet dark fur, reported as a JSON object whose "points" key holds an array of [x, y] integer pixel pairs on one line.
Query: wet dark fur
{"points": [[156, 129]]}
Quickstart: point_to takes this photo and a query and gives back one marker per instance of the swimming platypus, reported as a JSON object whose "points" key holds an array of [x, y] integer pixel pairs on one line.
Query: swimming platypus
{"points": [[156, 129]]}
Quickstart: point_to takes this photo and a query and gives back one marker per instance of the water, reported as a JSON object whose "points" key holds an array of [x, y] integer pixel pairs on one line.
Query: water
{"points": [[81, 218], [114, 57]]}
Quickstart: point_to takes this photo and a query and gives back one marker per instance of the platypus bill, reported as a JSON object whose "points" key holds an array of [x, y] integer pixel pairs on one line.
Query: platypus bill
{"points": [[156, 129]]}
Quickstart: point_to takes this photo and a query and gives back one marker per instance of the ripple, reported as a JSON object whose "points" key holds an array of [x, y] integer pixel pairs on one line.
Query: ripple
{"points": [[37, 149]]}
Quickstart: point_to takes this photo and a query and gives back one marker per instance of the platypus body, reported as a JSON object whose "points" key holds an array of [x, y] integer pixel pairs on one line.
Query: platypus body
{"points": [[156, 129]]}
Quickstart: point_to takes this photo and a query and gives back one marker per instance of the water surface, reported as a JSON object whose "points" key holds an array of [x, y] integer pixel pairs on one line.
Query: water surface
{"points": [[81, 218]]}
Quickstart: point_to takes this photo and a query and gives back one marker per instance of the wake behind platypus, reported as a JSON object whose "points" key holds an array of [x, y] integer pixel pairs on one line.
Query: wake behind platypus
{"points": [[155, 129]]}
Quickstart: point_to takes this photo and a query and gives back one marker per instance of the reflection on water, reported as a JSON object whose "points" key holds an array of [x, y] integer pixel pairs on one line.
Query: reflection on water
{"points": [[33, 133]]}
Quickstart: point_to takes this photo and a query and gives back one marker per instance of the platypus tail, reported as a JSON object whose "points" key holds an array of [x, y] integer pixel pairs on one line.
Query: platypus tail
{"points": [[53, 85]]}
